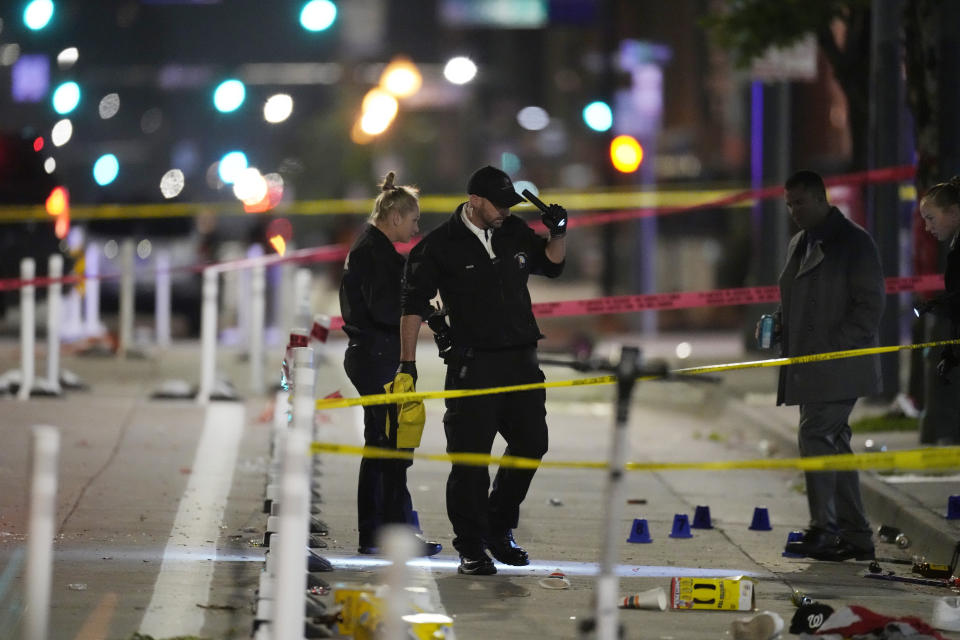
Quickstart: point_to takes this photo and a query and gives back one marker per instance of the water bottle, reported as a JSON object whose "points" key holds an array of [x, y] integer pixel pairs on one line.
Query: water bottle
{"points": [[766, 331]]}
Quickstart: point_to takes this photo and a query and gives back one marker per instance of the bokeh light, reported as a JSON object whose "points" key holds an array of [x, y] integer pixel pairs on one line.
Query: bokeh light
{"points": [[459, 70], [249, 186], [598, 116], [105, 169], [61, 133], [38, 143], [66, 97], [38, 14], [171, 184], [509, 162], [533, 118], [68, 57], [109, 106], [229, 95], [58, 201], [144, 247], [277, 108], [520, 185], [626, 154], [231, 164], [50, 165], [401, 78], [684, 350], [318, 15]]}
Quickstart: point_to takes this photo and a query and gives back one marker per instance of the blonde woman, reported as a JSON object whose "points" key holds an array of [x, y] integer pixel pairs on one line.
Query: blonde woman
{"points": [[370, 304]]}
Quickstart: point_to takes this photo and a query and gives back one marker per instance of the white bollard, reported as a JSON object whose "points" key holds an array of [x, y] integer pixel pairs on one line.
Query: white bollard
{"points": [[72, 328], [28, 271], [162, 299], [257, 317], [294, 523], [91, 290], [43, 506], [302, 282], [126, 297], [399, 546], [208, 334], [244, 285], [54, 297]]}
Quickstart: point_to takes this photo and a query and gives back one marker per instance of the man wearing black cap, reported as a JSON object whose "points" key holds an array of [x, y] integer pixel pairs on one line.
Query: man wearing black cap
{"points": [[479, 260]]}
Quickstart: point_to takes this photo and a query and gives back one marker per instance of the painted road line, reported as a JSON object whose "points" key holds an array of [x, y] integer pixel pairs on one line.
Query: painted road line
{"points": [[186, 572], [98, 622], [543, 568]]}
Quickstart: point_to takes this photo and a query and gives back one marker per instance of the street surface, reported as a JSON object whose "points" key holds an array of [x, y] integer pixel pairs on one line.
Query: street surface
{"points": [[159, 505]]}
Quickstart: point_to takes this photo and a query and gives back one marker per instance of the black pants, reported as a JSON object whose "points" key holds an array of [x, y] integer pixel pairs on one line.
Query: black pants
{"points": [[471, 425], [833, 496], [382, 495]]}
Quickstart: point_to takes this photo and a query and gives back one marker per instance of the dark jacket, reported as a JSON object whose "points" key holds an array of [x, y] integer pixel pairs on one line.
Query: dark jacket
{"points": [[487, 299], [947, 304], [370, 294], [831, 300]]}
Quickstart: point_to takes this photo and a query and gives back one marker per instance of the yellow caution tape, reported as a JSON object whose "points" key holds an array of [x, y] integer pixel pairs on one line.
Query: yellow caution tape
{"points": [[926, 458], [393, 398]]}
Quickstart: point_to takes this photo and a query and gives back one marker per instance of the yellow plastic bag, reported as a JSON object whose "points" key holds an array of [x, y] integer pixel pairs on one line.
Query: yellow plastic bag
{"points": [[409, 417]]}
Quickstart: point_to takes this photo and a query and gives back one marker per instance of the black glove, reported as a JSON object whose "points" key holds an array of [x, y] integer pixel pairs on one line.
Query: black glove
{"points": [[947, 362], [555, 220], [437, 321], [408, 366]]}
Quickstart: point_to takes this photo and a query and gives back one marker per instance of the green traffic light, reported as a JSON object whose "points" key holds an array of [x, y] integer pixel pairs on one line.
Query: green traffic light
{"points": [[38, 14], [318, 15]]}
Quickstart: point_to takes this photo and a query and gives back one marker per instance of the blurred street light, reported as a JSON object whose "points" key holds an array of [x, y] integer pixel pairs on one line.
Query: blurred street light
{"points": [[61, 132], [66, 97], [277, 108], [626, 154], [230, 166], [598, 116], [68, 57], [318, 15], [229, 95], [105, 169], [459, 70], [401, 78], [37, 14]]}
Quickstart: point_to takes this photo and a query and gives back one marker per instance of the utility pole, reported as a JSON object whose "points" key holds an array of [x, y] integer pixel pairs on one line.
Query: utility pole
{"points": [[886, 105]]}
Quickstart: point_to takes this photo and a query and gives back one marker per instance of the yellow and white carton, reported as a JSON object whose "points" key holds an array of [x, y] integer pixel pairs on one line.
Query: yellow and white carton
{"points": [[729, 594]]}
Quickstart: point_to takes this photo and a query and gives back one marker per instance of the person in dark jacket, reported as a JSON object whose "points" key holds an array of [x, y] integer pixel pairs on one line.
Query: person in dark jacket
{"points": [[370, 305], [940, 210], [479, 260], [831, 299]]}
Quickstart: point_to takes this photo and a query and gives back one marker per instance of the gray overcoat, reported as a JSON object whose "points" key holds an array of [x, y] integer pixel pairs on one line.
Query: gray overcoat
{"points": [[831, 299]]}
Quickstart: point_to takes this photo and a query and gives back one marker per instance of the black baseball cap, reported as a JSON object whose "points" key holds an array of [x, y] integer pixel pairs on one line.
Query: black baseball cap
{"points": [[809, 617], [494, 185]]}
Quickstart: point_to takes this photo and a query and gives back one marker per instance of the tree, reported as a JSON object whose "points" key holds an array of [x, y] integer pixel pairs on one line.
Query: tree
{"points": [[749, 27]]}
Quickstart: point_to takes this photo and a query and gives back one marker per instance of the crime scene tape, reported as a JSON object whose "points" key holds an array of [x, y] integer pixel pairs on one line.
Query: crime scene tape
{"points": [[925, 458], [393, 398], [676, 202], [695, 299]]}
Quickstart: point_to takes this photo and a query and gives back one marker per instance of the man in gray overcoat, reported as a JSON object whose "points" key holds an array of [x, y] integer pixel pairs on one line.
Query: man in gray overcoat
{"points": [[831, 298]]}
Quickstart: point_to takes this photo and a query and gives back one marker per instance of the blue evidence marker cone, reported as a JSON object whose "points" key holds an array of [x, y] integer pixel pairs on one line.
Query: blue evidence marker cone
{"points": [[701, 518], [681, 526], [639, 532], [761, 520]]}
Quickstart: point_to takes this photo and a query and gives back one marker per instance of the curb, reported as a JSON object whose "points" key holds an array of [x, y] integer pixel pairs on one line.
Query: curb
{"points": [[929, 533]]}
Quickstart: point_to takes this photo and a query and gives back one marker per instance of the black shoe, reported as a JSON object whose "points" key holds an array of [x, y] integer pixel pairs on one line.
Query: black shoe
{"points": [[428, 547], [506, 550], [814, 541], [845, 551], [478, 564]]}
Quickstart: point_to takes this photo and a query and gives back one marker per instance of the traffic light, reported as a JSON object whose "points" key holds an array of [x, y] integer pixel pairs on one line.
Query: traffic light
{"points": [[626, 154], [598, 116], [66, 97], [37, 14], [318, 15], [229, 95]]}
